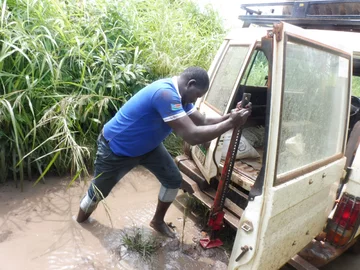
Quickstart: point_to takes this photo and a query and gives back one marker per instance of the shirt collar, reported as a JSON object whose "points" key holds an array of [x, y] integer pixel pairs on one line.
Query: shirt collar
{"points": [[175, 83]]}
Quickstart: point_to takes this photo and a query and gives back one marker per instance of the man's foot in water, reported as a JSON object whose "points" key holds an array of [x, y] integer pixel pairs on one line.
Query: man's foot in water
{"points": [[162, 228]]}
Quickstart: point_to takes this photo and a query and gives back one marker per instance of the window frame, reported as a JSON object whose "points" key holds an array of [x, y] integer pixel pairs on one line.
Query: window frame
{"points": [[244, 63], [287, 176]]}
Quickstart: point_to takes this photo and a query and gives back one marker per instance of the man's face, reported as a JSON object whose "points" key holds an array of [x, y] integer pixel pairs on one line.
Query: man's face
{"points": [[192, 93]]}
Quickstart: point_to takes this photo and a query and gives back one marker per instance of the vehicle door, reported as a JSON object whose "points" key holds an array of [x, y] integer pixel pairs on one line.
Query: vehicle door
{"points": [[306, 132]]}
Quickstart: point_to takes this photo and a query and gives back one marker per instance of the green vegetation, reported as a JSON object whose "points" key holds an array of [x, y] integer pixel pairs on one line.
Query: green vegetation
{"points": [[67, 66], [137, 241], [174, 145], [355, 86], [257, 72], [198, 209]]}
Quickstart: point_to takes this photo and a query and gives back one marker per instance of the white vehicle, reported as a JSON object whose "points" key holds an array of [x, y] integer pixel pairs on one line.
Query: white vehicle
{"points": [[295, 185]]}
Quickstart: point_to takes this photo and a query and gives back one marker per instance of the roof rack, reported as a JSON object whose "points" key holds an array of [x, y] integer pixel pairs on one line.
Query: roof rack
{"points": [[331, 15]]}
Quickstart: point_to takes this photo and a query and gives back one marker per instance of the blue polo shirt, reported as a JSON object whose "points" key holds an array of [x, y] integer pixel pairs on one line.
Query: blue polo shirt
{"points": [[140, 124]]}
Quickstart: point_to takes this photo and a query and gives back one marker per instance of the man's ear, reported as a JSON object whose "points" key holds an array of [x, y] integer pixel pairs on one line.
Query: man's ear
{"points": [[191, 83]]}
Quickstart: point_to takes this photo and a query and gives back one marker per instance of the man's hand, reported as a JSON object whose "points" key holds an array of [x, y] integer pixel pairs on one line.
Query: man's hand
{"points": [[239, 106], [239, 115]]}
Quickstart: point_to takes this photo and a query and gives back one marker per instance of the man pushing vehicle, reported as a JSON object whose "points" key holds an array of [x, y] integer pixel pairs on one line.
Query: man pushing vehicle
{"points": [[135, 134]]}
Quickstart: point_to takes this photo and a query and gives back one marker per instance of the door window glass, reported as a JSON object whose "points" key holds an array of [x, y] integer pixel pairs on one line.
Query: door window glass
{"points": [[257, 72], [225, 77], [314, 106]]}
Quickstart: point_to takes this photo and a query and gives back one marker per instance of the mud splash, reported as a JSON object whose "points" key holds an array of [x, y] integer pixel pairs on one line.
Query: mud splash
{"points": [[37, 230]]}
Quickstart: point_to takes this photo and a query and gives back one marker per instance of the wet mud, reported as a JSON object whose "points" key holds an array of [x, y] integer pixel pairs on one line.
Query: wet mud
{"points": [[38, 231]]}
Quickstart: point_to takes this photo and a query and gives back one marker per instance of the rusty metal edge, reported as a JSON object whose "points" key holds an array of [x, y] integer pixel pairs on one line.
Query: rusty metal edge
{"points": [[307, 169], [277, 30], [301, 264]]}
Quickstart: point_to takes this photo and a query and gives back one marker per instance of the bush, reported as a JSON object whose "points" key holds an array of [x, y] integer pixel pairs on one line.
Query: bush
{"points": [[67, 66]]}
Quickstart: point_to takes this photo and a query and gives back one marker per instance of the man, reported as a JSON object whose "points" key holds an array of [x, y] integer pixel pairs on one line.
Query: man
{"points": [[134, 137]]}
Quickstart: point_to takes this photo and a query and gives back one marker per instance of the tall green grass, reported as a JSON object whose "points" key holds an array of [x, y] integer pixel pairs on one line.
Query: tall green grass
{"points": [[174, 34], [67, 66]]}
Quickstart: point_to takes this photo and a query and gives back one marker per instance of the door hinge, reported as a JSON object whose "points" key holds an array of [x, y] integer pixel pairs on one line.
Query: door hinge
{"points": [[346, 175], [277, 31]]}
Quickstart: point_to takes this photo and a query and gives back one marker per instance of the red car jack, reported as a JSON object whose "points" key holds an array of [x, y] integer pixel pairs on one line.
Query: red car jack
{"points": [[216, 218]]}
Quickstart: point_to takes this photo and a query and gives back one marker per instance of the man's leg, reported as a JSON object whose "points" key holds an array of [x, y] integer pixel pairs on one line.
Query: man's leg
{"points": [[158, 223], [109, 169], [161, 164]]}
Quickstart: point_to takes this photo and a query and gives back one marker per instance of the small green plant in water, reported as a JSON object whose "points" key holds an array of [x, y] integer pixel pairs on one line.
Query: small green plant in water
{"points": [[136, 240], [199, 210], [194, 206]]}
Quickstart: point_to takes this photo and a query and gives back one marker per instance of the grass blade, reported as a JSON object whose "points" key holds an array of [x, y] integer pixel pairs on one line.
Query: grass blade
{"points": [[3, 167], [47, 167], [74, 178], [40, 171], [14, 167]]}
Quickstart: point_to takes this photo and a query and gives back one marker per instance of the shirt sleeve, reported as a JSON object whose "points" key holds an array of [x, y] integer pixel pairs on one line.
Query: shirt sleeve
{"points": [[168, 105], [189, 108]]}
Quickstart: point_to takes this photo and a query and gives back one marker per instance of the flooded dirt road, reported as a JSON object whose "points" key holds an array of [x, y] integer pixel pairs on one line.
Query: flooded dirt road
{"points": [[37, 230]]}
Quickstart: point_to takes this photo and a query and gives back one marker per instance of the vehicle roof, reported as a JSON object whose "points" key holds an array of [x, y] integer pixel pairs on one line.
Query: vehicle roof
{"points": [[349, 40], [321, 14]]}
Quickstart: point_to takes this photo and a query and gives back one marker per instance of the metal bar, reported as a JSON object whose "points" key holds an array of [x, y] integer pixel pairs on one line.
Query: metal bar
{"points": [[289, 3], [309, 22], [293, 3], [251, 11]]}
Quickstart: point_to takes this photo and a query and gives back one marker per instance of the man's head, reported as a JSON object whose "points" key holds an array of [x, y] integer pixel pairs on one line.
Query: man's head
{"points": [[193, 84]]}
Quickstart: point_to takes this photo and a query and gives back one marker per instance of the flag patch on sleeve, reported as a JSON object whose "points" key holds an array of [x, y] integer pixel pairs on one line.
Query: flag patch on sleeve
{"points": [[176, 107]]}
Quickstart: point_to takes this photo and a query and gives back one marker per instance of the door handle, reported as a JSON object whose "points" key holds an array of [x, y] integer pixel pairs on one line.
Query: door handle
{"points": [[244, 249]]}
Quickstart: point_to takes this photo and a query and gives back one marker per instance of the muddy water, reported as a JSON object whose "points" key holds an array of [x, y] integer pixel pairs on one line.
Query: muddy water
{"points": [[37, 230]]}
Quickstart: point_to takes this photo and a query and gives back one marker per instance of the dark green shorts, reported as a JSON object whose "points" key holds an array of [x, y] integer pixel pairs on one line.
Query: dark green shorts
{"points": [[110, 168]]}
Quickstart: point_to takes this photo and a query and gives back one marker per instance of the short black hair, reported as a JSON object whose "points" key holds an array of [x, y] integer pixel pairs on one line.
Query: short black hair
{"points": [[199, 75]]}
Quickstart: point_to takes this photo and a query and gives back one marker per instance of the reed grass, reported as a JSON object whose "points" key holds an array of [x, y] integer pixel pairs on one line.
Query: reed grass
{"points": [[66, 67]]}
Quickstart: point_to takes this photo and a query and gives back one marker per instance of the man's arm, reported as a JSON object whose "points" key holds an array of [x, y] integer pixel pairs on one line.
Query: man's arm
{"points": [[200, 120], [193, 134]]}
